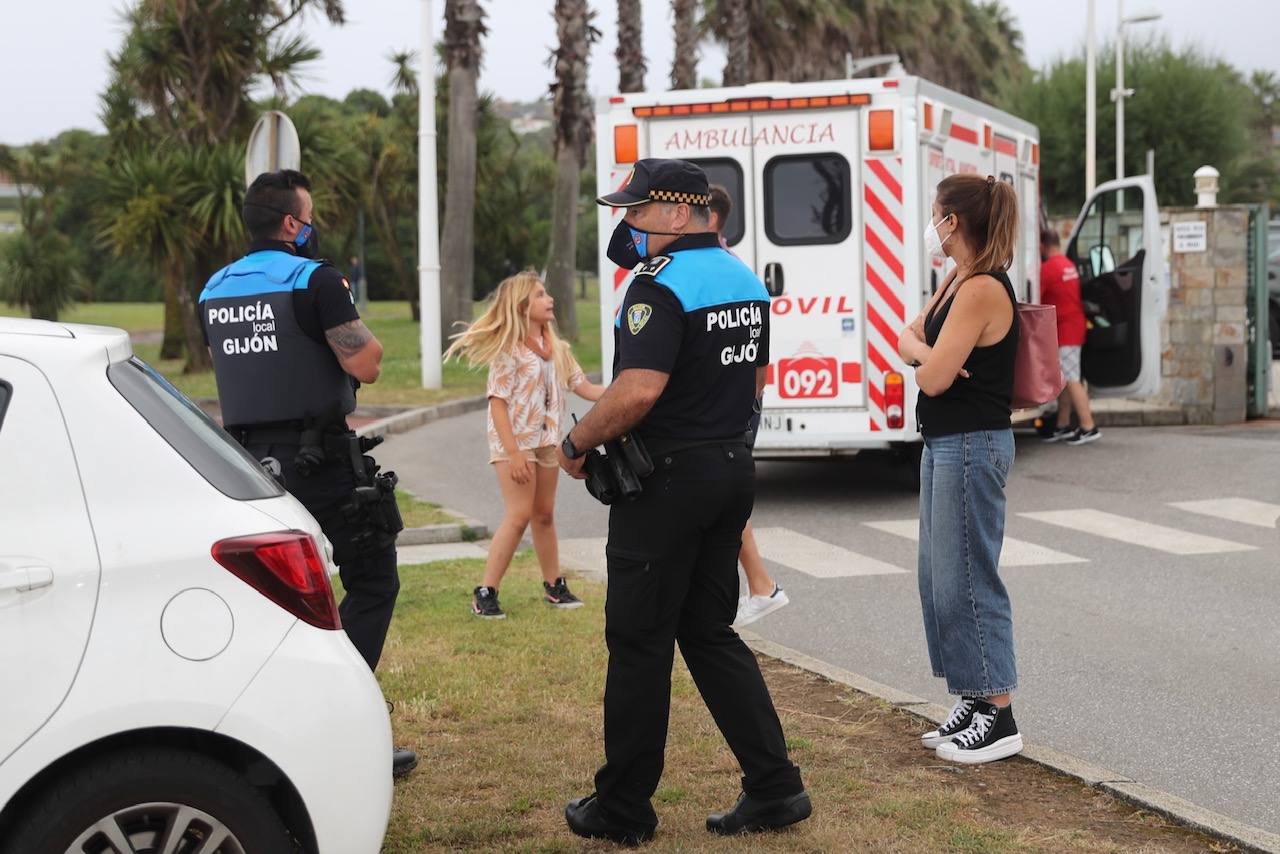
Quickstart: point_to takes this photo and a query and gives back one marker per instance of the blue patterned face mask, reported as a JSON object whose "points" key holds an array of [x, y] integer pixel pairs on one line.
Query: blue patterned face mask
{"points": [[629, 245]]}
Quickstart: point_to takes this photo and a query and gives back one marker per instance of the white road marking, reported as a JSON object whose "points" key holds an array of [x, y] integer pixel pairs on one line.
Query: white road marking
{"points": [[817, 558], [1012, 553], [1244, 510], [1136, 532]]}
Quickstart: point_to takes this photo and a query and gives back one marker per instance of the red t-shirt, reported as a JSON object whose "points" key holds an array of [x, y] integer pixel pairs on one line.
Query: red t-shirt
{"points": [[1060, 288]]}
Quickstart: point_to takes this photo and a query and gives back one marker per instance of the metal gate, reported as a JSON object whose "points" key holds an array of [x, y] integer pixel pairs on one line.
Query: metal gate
{"points": [[1259, 343]]}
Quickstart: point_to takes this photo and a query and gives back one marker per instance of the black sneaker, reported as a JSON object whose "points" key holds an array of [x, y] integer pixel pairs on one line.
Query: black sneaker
{"points": [[958, 720], [485, 604], [1084, 437], [1058, 435], [992, 734], [558, 595]]}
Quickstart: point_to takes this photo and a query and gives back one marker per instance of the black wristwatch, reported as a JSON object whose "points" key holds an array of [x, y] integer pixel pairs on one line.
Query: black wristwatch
{"points": [[570, 450]]}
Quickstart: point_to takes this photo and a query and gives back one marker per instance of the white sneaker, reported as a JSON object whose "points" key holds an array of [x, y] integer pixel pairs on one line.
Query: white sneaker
{"points": [[753, 608]]}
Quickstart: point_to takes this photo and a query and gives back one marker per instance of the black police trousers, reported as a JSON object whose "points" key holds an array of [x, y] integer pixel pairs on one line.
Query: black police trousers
{"points": [[370, 578], [673, 578]]}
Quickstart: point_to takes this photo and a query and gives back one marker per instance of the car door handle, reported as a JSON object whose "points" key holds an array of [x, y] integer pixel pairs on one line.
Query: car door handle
{"points": [[24, 578]]}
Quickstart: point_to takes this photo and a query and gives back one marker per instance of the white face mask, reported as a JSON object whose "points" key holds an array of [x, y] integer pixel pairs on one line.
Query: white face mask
{"points": [[932, 242]]}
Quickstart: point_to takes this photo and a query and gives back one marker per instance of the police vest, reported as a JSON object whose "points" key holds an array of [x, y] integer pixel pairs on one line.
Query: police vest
{"points": [[267, 367], [710, 392]]}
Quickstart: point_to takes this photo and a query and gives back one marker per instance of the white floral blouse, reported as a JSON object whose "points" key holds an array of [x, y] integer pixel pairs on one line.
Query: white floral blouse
{"points": [[535, 400]]}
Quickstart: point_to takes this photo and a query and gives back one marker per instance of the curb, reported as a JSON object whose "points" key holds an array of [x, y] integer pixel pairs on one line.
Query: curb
{"points": [[1182, 811], [465, 530], [405, 421]]}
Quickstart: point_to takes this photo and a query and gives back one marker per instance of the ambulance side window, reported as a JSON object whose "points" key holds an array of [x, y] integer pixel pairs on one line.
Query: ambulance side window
{"points": [[728, 174], [807, 199]]}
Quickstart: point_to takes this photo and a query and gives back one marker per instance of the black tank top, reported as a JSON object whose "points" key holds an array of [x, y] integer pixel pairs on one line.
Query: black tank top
{"points": [[980, 402]]}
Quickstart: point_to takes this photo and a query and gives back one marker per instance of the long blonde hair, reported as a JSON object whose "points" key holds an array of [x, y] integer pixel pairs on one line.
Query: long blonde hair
{"points": [[505, 325]]}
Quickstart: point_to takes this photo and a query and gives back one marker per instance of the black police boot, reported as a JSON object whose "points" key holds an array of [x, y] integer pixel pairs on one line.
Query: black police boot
{"points": [[403, 760], [585, 819], [749, 815]]}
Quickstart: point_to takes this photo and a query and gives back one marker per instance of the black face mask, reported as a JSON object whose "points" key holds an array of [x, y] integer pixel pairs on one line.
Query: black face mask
{"points": [[629, 245], [307, 243]]}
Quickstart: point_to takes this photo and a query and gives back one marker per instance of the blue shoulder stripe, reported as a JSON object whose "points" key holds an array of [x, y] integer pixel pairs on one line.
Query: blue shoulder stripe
{"points": [[259, 274], [709, 276]]}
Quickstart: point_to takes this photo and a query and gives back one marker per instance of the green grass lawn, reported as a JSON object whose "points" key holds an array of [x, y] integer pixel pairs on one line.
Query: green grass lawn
{"points": [[401, 381], [505, 716], [418, 514]]}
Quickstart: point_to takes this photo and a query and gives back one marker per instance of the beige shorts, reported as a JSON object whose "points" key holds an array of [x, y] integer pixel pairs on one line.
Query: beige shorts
{"points": [[544, 456]]}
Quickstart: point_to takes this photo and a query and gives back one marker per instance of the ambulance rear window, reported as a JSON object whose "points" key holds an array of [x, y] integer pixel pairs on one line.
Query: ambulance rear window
{"points": [[807, 199], [728, 174]]}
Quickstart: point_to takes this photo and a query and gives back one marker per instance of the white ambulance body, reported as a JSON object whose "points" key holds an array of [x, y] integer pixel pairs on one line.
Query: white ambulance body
{"points": [[832, 184]]}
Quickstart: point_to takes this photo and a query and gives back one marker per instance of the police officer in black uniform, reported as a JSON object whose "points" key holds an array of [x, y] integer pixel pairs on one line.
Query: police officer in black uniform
{"points": [[691, 346], [288, 350]]}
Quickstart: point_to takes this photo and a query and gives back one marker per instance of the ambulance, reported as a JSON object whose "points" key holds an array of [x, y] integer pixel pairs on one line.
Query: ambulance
{"points": [[832, 184]]}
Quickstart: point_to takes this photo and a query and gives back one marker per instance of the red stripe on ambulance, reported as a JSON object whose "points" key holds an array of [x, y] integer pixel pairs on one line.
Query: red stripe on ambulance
{"points": [[883, 273]]}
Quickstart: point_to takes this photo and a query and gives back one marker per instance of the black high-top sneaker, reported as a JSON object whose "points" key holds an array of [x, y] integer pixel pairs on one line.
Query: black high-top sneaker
{"points": [[485, 604], [558, 595], [957, 721], [992, 734]]}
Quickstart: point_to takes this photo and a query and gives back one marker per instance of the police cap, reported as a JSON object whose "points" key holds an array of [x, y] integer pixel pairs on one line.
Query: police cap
{"points": [[657, 180]]}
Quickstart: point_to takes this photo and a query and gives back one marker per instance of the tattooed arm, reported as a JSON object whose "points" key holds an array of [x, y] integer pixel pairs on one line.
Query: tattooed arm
{"points": [[358, 352]]}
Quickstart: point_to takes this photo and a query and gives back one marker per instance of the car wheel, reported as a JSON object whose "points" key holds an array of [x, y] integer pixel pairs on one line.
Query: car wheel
{"points": [[151, 800]]}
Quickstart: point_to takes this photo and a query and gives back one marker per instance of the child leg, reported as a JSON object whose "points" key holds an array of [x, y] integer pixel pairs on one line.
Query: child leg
{"points": [[758, 581], [543, 520], [517, 503]]}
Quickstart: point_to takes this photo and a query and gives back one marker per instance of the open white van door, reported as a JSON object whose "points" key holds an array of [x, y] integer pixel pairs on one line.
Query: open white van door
{"points": [[1116, 247]]}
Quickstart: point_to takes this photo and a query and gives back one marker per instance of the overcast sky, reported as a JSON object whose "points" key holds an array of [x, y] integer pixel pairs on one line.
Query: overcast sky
{"points": [[53, 58]]}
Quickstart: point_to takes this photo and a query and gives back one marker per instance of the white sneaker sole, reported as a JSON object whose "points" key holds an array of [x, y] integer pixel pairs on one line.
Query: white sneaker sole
{"points": [[567, 606], [1002, 749], [1084, 440], [763, 612]]}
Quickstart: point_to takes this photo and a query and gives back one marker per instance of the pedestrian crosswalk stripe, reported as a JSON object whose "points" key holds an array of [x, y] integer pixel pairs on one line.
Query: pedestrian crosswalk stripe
{"points": [[1244, 510], [817, 558], [1136, 532], [1012, 553], [780, 545]]}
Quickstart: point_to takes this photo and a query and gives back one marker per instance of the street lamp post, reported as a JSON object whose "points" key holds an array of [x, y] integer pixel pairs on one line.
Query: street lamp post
{"points": [[1090, 108], [428, 231], [1119, 93]]}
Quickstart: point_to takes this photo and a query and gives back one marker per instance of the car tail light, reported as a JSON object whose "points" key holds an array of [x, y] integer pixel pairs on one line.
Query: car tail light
{"points": [[287, 568], [893, 400]]}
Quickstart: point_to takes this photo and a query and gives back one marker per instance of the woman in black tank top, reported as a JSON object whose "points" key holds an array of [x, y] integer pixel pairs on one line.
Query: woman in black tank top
{"points": [[963, 346]]}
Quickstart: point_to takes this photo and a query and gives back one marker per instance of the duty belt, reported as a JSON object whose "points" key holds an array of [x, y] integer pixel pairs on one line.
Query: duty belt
{"points": [[666, 447]]}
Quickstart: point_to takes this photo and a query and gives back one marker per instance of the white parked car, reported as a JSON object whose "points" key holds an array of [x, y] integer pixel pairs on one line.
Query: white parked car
{"points": [[173, 675]]}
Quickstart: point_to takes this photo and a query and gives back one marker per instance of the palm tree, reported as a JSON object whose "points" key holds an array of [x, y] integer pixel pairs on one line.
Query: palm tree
{"points": [[40, 268], [630, 52], [571, 108], [684, 65], [464, 27], [183, 76], [737, 67]]}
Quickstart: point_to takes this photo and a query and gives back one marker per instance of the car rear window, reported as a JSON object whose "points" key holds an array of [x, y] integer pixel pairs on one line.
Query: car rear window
{"points": [[194, 435]]}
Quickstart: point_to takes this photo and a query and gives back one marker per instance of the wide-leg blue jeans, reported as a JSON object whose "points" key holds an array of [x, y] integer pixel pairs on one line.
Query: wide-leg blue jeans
{"points": [[968, 622]]}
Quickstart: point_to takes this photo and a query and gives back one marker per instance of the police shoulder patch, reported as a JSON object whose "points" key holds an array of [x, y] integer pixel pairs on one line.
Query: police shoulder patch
{"points": [[654, 265], [637, 316]]}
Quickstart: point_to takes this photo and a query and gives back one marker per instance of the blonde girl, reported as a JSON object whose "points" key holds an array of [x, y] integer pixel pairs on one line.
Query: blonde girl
{"points": [[530, 368]]}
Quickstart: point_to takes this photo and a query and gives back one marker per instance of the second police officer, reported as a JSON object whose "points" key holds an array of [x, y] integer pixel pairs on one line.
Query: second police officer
{"points": [[691, 347], [288, 348]]}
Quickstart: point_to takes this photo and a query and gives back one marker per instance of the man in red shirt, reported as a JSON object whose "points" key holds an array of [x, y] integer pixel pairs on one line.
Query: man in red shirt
{"points": [[1060, 288]]}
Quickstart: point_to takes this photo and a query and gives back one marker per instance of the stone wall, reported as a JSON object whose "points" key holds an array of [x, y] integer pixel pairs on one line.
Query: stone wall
{"points": [[1202, 335], [1203, 362]]}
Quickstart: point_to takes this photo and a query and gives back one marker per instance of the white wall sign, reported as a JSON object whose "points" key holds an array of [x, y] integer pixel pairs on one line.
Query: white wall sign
{"points": [[1190, 237]]}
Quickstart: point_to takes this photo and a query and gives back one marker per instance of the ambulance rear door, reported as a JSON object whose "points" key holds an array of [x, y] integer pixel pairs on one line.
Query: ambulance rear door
{"points": [[808, 246]]}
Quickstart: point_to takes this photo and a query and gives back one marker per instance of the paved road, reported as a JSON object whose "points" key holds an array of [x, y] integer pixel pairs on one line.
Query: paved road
{"points": [[1147, 642]]}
